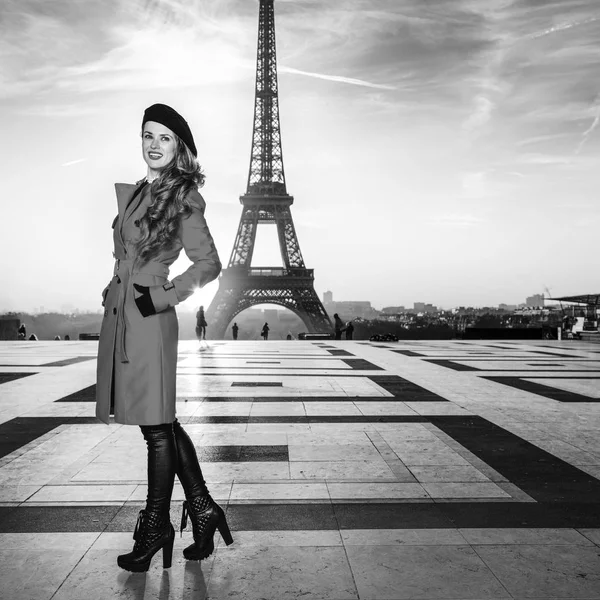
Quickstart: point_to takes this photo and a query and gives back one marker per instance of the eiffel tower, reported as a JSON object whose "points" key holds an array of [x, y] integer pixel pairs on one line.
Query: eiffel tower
{"points": [[266, 201]]}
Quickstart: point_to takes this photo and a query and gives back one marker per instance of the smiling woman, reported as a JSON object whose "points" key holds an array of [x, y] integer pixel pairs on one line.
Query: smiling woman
{"points": [[158, 147], [137, 352], [169, 150]]}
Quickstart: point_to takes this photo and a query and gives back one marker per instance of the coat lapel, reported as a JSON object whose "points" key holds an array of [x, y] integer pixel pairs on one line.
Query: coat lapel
{"points": [[126, 192], [135, 200]]}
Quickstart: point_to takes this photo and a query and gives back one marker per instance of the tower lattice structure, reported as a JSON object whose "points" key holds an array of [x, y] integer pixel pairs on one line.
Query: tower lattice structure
{"points": [[266, 201]]}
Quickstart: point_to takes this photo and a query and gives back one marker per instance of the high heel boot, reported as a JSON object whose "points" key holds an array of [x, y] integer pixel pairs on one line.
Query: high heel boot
{"points": [[153, 530], [207, 516], [151, 534]]}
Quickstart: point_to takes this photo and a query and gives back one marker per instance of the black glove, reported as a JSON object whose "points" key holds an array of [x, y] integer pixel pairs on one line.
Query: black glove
{"points": [[144, 302]]}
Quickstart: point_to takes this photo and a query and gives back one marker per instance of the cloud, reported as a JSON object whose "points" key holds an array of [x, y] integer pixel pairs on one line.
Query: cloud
{"points": [[540, 139], [588, 132], [73, 162], [38, 41], [534, 158], [487, 80], [525, 75], [183, 61], [448, 64], [337, 78], [68, 111], [481, 114], [128, 46], [561, 27]]}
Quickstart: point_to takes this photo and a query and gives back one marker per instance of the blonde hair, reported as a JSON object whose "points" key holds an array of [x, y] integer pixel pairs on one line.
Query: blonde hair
{"points": [[160, 225]]}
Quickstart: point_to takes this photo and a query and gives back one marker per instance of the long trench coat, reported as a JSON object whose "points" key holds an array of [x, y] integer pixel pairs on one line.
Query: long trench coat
{"points": [[137, 356]]}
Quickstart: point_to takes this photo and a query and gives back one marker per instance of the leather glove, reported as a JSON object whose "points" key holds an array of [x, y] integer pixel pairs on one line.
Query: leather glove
{"points": [[144, 300]]}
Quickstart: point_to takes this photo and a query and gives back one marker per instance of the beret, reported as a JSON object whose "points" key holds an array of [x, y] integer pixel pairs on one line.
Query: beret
{"points": [[169, 117]]}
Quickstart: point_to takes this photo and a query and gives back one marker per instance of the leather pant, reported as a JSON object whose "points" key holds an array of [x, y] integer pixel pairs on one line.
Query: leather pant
{"points": [[170, 452]]}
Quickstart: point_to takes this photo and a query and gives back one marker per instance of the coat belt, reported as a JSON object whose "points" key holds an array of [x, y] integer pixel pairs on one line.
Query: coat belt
{"points": [[124, 268]]}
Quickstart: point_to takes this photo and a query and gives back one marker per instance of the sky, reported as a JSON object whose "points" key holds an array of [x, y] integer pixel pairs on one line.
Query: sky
{"points": [[443, 151]]}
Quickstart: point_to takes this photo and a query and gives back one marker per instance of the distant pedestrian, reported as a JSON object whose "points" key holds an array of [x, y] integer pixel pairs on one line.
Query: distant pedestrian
{"points": [[67, 338], [33, 338], [265, 331], [201, 324], [338, 326], [234, 331], [57, 338], [22, 331], [288, 336], [349, 330]]}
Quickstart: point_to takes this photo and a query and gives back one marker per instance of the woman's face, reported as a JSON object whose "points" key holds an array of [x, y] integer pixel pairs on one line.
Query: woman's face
{"points": [[158, 145]]}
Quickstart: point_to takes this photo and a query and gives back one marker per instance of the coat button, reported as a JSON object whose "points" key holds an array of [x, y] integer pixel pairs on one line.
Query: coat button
{"points": [[105, 313], [137, 222], [114, 311]]}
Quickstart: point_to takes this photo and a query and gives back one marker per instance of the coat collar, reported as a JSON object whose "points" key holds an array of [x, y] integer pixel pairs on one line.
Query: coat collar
{"points": [[124, 193]]}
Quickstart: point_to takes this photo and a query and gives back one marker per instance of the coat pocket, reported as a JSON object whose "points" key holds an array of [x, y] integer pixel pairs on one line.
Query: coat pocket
{"points": [[152, 282]]}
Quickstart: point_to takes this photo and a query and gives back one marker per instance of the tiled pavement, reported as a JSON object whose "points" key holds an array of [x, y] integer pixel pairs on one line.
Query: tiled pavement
{"points": [[433, 470]]}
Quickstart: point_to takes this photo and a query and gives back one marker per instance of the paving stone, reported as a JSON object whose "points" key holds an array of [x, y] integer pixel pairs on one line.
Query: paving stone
{"points": [[421, 469], [397, 572]]}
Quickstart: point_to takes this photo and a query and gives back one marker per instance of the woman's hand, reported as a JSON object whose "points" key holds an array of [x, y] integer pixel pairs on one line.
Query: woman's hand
{"points": [[143, 300]]}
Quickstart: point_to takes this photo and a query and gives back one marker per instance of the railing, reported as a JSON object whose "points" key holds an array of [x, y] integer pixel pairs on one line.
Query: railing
{"points": [[280, 272]]}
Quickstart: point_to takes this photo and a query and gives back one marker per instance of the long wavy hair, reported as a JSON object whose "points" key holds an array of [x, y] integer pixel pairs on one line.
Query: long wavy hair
{"points": [[160, 225]]}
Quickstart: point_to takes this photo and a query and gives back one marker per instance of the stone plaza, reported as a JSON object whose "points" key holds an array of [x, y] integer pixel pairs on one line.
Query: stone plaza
{"points": [[348, 470]]}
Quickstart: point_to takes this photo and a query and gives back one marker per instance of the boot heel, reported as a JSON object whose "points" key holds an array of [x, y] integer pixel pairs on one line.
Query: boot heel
{"points": [[168, 553], [224, 531]]}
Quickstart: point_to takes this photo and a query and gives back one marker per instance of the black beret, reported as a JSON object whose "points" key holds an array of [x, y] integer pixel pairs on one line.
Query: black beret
{"points": [[169, 117]]}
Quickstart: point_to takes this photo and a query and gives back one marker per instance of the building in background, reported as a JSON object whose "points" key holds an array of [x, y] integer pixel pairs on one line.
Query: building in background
{"points": [[349, 309], [424, 307], [393, 310], [535, 300]]}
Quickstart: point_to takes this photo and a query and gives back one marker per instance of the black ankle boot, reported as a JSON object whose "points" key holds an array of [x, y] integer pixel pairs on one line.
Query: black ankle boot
{"points": [[207, 516], [152, 532]]}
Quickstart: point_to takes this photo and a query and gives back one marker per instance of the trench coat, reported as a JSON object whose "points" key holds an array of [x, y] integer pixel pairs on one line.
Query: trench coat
{"points": [[137, 356]]}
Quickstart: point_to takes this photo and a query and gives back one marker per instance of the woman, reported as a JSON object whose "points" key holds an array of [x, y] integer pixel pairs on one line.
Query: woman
{"points": [[137, 353], [201, 324], [349, 330], [338, 325], [265, 331]]}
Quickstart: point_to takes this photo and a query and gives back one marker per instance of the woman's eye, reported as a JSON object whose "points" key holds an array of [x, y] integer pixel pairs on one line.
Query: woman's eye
{"points": [[165, 139]]}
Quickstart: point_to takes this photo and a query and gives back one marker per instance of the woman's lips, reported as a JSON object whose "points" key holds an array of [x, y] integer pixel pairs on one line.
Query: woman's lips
{"points": [[154, 155]]}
